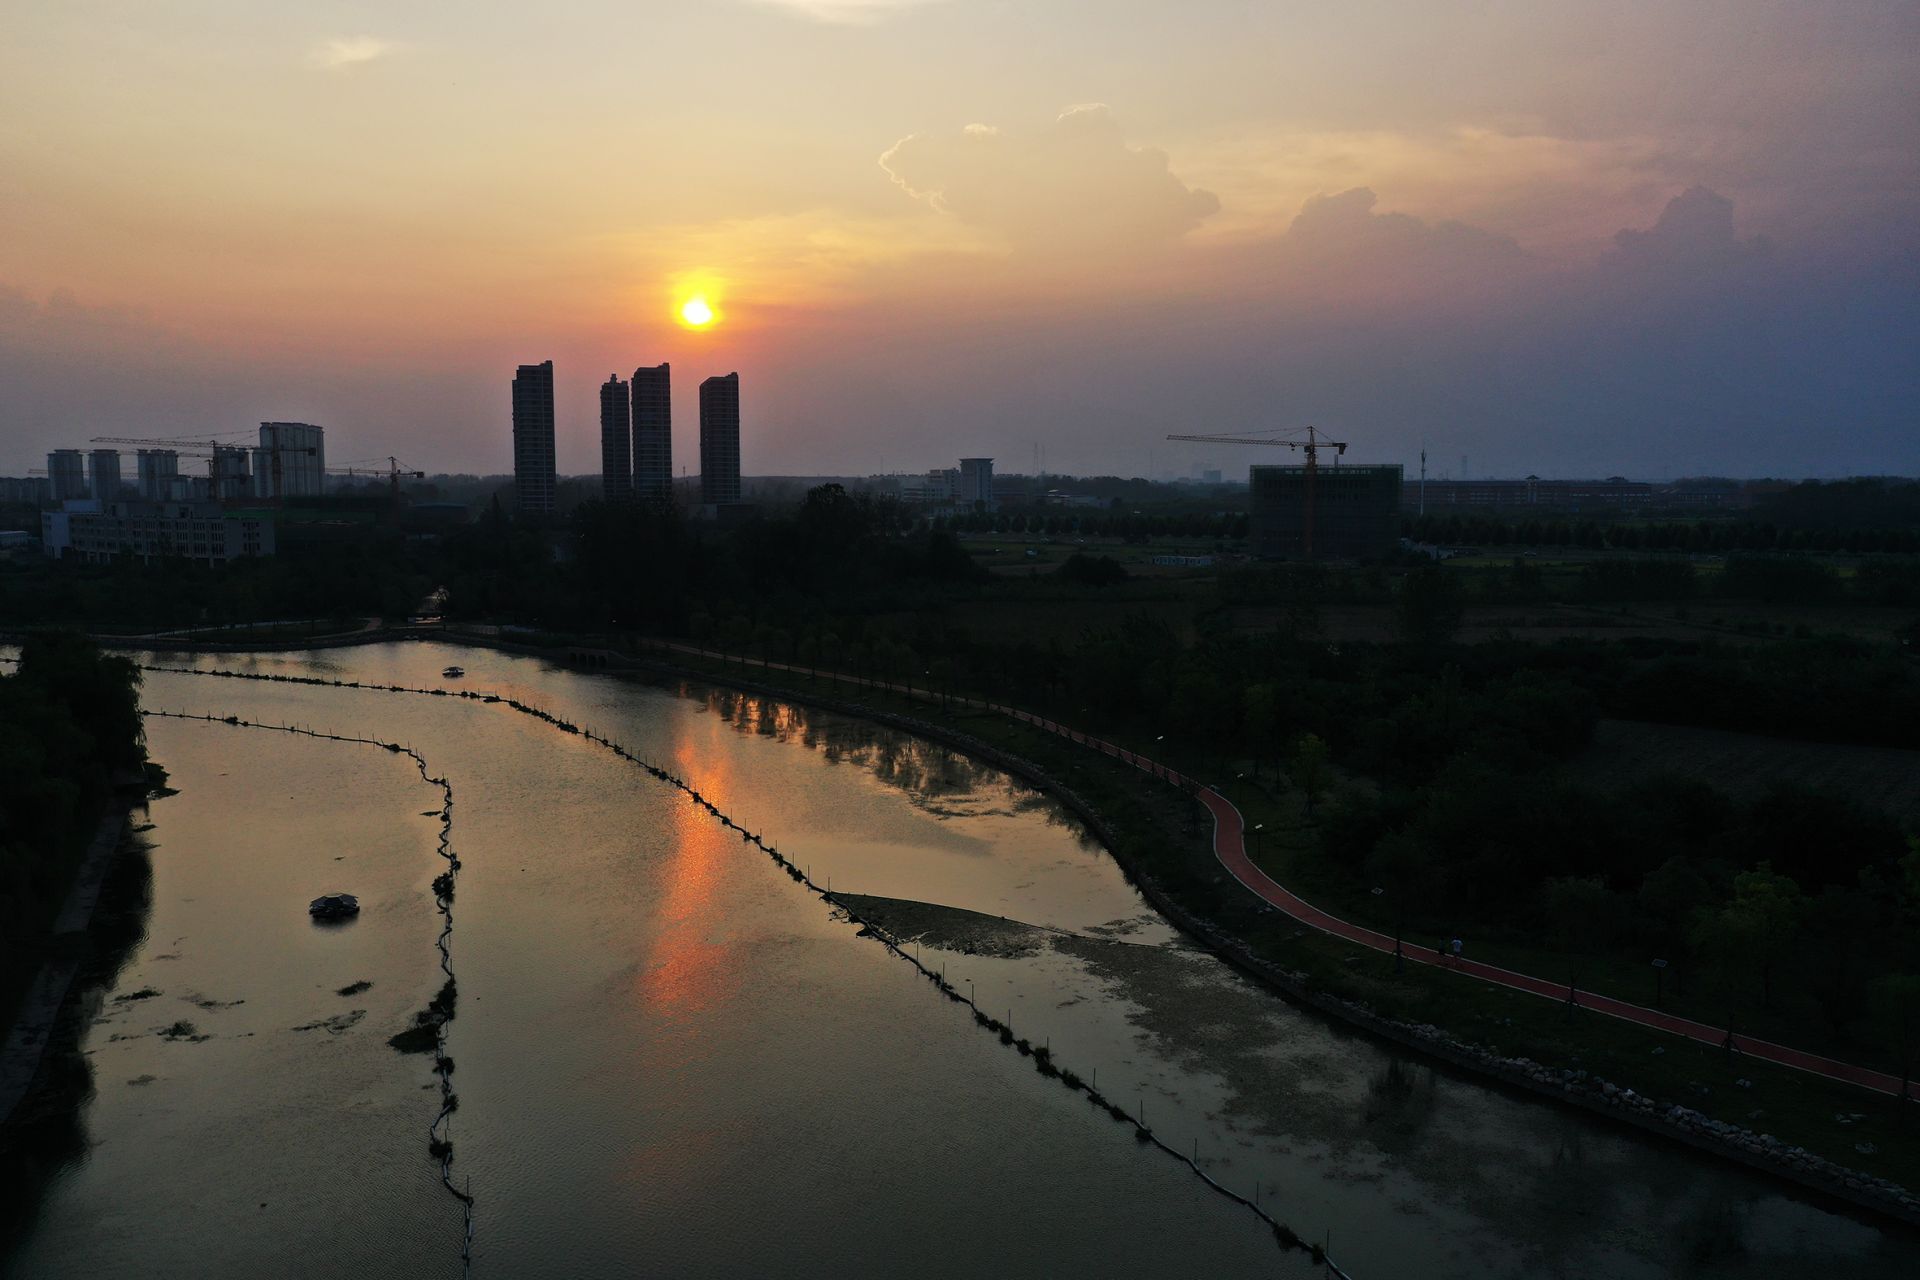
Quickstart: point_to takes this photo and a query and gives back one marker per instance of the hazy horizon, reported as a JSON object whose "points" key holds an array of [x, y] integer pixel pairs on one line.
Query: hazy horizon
{"points": [[1642, 239]]}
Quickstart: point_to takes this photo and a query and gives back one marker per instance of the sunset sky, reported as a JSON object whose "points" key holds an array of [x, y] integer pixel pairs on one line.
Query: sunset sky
{"points": [[1638, 237]]}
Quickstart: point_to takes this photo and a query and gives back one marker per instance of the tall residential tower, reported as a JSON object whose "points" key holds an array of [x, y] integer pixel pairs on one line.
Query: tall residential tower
{"points": [[720, 440], [103, 474], [533, 458], [976, 483], [653, 433], [291, 461], [616, 455], [67, 470]]}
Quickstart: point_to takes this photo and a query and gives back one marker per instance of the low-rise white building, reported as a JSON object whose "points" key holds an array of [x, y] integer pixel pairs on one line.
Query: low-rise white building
{"points": [[935, 488], [100, 532]]}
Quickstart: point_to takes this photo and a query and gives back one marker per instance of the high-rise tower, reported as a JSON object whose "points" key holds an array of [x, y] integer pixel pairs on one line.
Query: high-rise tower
{"points": [[976, 483], [720, 440], [103, 474], [67, 470], [653, 433], [533, 458], [616, 454], [291, 461], [158, 470]]}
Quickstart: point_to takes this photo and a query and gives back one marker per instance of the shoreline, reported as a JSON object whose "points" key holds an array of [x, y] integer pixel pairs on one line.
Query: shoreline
{"points": [[1569, 1088], [35, 1025], [43, 1131], [1848, 1187]]}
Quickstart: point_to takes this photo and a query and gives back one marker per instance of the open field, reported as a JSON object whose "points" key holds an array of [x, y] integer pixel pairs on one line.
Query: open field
{"points": [[1007, 554], [1726, 620], [1067, 613], [1745, 765]]}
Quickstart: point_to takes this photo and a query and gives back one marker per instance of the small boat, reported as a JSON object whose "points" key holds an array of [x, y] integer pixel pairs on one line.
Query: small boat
{"points": [[334, 906], [454, 673]]}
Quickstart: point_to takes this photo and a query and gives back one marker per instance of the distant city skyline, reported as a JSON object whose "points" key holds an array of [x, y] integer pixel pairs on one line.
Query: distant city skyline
{"points": [[1562, 239]]}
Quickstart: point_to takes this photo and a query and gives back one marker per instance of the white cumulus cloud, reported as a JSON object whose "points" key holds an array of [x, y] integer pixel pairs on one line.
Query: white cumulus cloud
{"points": [[1071, 185], [351, 51], [847, 13]]}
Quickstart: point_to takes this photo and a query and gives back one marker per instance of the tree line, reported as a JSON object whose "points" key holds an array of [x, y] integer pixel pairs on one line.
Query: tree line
{"points": [[69, 723]]}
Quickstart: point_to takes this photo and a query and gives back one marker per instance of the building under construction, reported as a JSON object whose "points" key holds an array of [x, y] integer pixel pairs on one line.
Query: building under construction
{"points": [[1355, 511]]}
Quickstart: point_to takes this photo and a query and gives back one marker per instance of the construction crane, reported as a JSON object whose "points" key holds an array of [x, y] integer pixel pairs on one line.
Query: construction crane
{"points": [[394, 471], [1310, 442]]}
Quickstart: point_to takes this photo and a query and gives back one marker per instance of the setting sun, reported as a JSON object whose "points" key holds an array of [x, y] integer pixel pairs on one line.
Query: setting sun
{"points": [[695, 313]]}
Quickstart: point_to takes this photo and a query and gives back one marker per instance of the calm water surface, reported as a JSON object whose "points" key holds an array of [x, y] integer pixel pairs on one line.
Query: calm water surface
{"points": [[671, 1060]]}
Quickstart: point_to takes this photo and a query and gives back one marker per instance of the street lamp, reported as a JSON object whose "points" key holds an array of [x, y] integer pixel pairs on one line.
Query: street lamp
{"points": [[1399, 956], [1659, 974]]}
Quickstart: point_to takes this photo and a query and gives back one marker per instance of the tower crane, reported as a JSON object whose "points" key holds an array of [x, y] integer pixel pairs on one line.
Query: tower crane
{"points": [[1309, 441], [394, 472]]}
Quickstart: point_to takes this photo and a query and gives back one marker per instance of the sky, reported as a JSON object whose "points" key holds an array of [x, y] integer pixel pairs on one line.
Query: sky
{"points": [[1564, 238]]}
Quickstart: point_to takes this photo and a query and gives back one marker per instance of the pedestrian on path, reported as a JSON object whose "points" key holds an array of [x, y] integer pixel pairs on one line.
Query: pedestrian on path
{"points": [[1458, 946]]}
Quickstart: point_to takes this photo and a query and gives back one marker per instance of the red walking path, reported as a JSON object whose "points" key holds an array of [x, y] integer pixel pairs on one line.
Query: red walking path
{"points": [[1230, 846]]}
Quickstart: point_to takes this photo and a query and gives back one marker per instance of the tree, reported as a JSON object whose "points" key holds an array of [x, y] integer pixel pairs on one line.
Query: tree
{"points": [[1311, 769], [1898, 998], [1669, 897], [1586, 916], [1260, 713], [1754, 931], [101, 692], [1841, 926], [1429, 608], [1091, 571]]}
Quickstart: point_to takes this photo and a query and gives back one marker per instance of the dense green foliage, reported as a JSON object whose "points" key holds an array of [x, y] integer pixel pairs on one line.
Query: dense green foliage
{"points": [[353, 577], [1092, 571], [69, 721], [649, 568]]}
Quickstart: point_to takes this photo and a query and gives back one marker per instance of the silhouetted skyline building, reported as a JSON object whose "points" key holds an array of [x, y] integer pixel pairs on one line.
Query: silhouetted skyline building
{"points": [[616, 453], [231, 475], [976, 483], [720, 440], [291, 461], [159, 472], [67, 474], [103, 474], [533, 456], [653, 432]]}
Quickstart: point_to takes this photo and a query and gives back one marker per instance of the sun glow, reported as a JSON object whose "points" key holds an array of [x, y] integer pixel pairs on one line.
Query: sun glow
{"points": [[696, 313]]}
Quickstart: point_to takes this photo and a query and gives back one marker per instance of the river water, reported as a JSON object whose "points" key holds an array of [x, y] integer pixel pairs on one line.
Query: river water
{"points": [[672, 1060]]}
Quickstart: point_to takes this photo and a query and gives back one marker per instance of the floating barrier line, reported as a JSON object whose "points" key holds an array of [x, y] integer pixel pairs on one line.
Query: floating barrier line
{"points": [[439, 1133], [1044, 1062]]}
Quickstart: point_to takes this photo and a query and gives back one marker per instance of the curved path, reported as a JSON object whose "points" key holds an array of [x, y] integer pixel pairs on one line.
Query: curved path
{"points": [[1229, 845]]}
